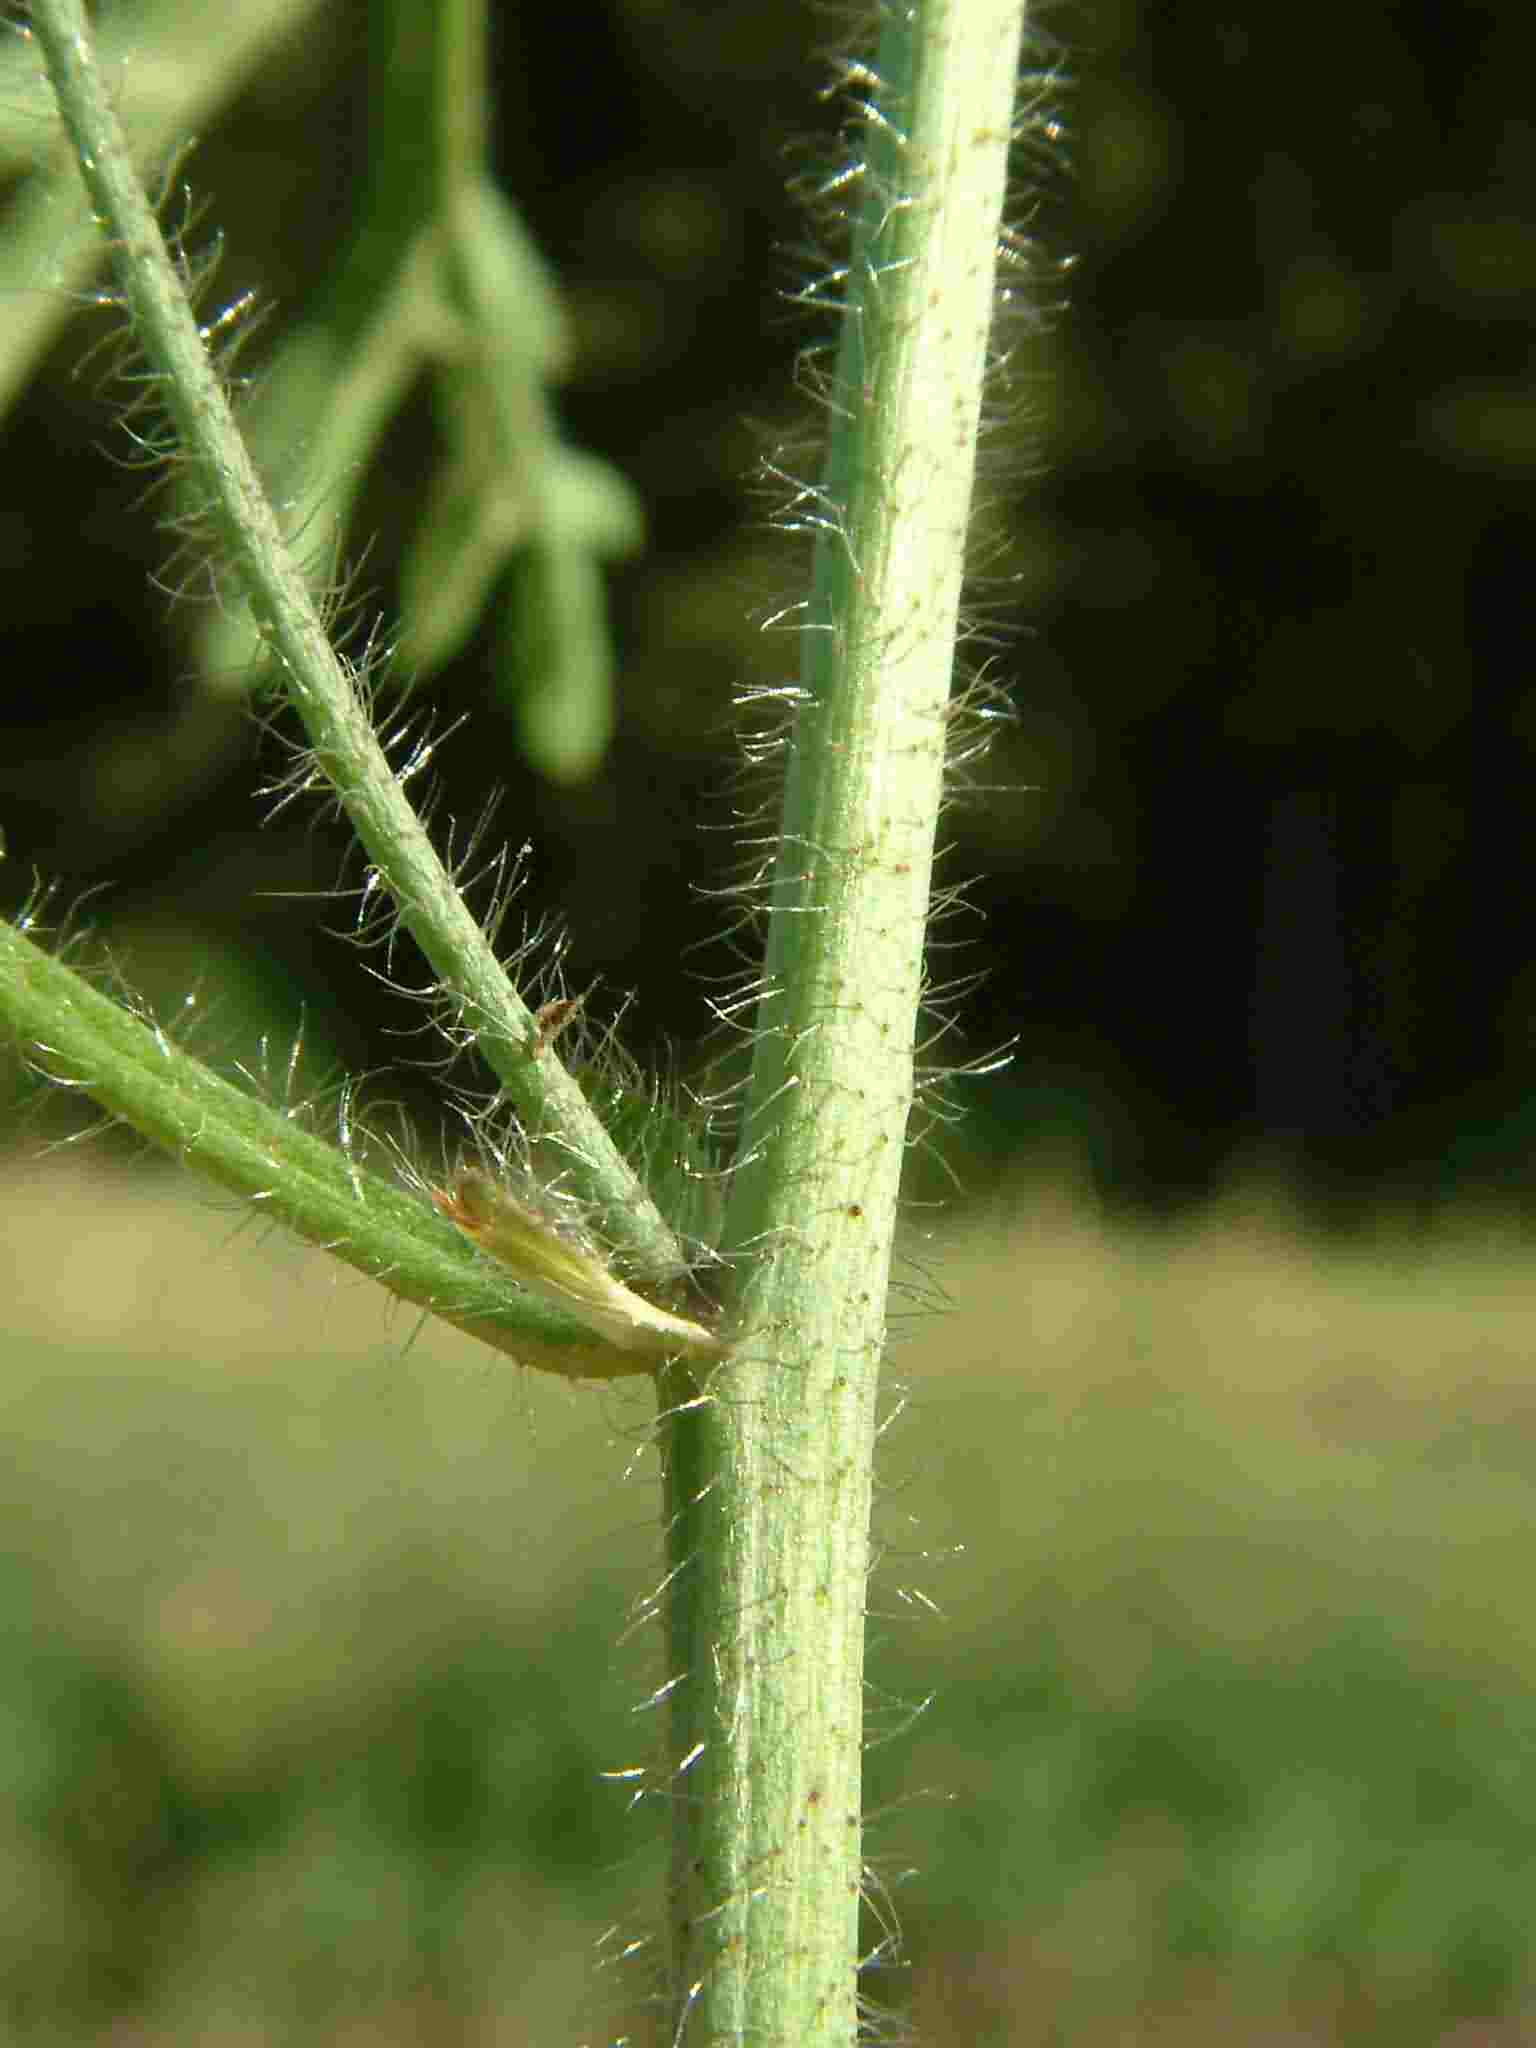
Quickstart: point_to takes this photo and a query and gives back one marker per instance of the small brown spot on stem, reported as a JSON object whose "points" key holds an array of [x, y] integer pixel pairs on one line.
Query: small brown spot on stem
{"points": [[550, 1019]]}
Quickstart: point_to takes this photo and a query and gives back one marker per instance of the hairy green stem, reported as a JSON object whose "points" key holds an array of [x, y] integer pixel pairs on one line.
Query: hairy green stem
{"points": [[770, 1474], [80, 1037], [768, 1452], [326, 694]]}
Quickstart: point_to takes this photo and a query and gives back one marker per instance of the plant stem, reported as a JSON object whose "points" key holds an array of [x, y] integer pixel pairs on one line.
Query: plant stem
{"points": [[326, 693], [770, 1474], [768, 1454], [82, 1038]]}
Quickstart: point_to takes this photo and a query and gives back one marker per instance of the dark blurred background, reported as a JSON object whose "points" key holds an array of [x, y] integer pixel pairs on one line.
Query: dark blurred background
{"points": [[315, 1633], [1259, 542]]}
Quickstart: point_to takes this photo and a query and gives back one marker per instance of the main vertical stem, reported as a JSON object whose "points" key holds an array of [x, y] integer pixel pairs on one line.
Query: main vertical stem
{"points": [[769, 1467]]}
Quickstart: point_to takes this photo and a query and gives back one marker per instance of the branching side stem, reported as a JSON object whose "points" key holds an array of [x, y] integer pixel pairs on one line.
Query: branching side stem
{"points": [[82, 1038], [325, 693]]}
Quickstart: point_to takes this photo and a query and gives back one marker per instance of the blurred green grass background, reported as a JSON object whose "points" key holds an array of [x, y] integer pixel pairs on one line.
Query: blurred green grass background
{"points": [[1211, 1543]]}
